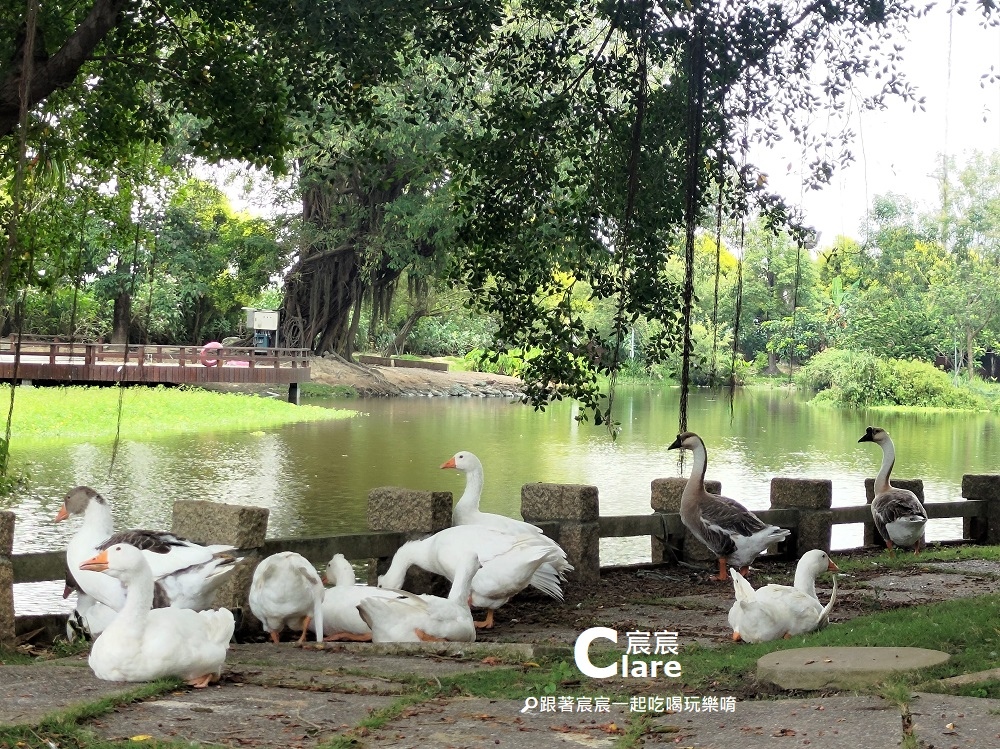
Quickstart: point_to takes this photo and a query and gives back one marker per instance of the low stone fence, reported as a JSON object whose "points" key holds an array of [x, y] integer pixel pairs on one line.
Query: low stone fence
{"points": [[569, 513]]}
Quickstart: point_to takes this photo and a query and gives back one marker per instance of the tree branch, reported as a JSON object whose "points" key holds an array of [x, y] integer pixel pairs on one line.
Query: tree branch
{"points": [[62, 68]]}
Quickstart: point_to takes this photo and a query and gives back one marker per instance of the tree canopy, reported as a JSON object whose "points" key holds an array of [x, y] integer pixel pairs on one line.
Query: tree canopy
{"points": [[525, 150]]}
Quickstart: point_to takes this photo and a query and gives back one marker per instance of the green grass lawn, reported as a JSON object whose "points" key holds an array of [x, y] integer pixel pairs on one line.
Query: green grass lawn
{"points": [[74, 414]]}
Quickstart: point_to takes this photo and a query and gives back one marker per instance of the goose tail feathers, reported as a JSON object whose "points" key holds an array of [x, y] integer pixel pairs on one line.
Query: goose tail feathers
{"points": [[548, 582]]}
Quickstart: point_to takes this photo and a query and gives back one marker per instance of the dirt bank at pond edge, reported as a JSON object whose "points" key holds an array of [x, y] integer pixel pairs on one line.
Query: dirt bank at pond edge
{"points": [[372, 381]]}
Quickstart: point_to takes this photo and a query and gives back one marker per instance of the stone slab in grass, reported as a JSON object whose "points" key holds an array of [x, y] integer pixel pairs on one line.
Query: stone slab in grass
{"points": [[467, 723], [841, 667], [240, 715], [29, 693], [992, 674]]}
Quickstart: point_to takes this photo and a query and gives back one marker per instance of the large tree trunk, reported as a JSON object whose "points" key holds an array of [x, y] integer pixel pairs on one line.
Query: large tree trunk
{"points": [[326, 286], [122, 317], [399, 342], [322, 286]]}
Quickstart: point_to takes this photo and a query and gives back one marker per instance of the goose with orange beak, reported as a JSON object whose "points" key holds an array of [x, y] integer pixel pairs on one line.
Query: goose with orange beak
{"points": [[144, 644], [187, 574]]}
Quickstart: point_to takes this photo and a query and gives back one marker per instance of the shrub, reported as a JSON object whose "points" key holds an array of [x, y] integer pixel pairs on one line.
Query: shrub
{"points": [[447, 336], [509, 362], [857, 379]]}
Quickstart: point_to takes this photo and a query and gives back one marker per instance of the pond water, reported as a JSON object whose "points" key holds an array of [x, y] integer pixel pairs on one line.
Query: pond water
{"points": [[315, 477]]}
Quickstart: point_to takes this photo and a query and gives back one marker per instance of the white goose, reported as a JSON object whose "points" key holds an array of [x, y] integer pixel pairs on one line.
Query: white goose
{"points": [[407, 617], [509, 563], [287, 590], [90, 617], [734, 534], [776, 611], [144, 644], [341, 618], [187, 574], [467, 512], [898, 514]]}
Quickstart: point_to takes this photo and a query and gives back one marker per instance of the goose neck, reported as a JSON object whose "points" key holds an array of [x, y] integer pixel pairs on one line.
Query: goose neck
{"points": [[473, 489], [401, 561], [888, 459], [97, 520], [696, 481], [805, 581], [138, 596], [461, 586]]}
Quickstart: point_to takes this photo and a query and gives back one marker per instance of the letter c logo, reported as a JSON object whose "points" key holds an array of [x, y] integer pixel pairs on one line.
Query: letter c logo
{"points": [[581, 652]]}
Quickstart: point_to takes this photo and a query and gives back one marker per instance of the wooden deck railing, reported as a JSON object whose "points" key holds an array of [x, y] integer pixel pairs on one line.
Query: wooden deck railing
{"points": [[105, 363]]}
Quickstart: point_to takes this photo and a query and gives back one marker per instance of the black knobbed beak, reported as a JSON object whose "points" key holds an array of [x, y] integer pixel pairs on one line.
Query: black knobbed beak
{"points": [[676, 444], [868, 435]]}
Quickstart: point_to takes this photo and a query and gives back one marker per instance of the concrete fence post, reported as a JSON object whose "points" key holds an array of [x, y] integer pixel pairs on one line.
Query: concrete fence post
{"points": [[665, 497], [6, 579], [241, 526], [872, 537], [576, 507], [985, 487], [813, 498], [415, 514]]}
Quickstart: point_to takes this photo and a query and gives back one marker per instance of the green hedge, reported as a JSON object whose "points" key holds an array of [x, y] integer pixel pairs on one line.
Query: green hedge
{"points": [[857, 379]]}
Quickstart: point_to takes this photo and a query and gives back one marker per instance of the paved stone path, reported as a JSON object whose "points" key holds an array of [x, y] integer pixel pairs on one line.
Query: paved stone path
{"points": [[297, 698]]}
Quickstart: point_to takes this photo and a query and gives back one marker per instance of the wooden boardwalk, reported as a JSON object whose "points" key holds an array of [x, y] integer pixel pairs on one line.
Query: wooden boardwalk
{"points": [[101, 363]]}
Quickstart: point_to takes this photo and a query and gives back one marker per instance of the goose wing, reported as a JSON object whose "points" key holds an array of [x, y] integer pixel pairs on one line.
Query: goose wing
{"points": [[721, 518], [897, 504]]}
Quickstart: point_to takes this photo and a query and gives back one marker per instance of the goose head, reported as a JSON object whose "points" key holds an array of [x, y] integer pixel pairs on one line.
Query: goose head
{"points": [[686, 441], [463, 461], [76, 502], [339, 571], [817, 561], [874, 434], [120, 561]]}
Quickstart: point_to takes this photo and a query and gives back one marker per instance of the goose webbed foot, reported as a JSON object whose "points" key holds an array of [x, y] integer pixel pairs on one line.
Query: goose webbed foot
{"points": [[348, 636], [305, 630], [424, 637], [723, 570], [202, 681], [486, 623]]}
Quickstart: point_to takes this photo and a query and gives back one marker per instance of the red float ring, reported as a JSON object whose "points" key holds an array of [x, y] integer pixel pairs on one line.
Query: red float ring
{"points": [[206, 350]]}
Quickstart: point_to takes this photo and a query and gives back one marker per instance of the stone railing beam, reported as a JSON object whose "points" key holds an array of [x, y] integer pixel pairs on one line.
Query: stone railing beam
{"points": [[665, 497], [985, 487], [813, 498], [415, 514], [241, 526], [6, 579], [577, 508]]}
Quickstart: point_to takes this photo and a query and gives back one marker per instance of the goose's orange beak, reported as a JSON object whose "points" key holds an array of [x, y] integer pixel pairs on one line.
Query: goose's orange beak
{"points": [[97, 563], [449, 464], [62, 514], [832, 567]]}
